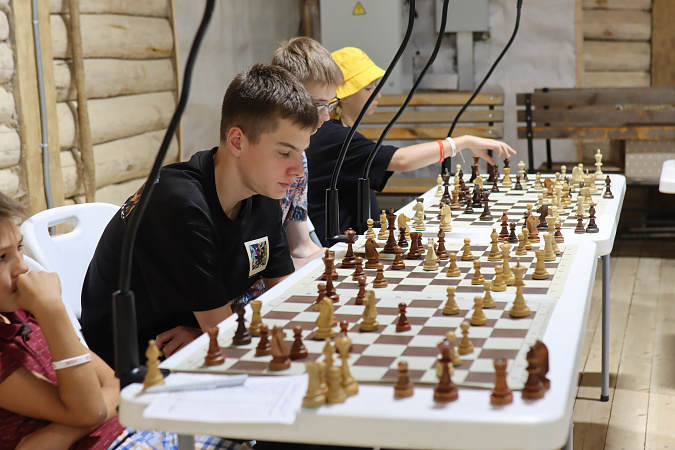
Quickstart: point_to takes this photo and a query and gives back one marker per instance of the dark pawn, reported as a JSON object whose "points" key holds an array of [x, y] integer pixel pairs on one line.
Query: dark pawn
{"points": [[591, 227], [486, 215], [241, 336], [518, 186], [343, 331], [420, 245], [477, 197], [362, 290], [491, 174], [542, 353], [441, 252], [558, 236], [214, 356], [298, 349], [402, 241], [398, 263], [580, 224], [414, 252], [504, 232], [349, 259], [264, 347], [468, 203], [445, 390], [501, 394], [507, 161], [402, 324], [358, 271], [534, 388], [608, 191], [513, 238], [495, 188]]}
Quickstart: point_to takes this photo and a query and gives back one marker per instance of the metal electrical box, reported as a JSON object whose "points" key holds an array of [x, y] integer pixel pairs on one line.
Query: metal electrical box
{"points": [[464, 15], [375, 26]]}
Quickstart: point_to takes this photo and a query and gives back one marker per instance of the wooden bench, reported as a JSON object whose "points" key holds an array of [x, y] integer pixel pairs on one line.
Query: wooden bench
{"points": [[428, 117], [614, 114]]}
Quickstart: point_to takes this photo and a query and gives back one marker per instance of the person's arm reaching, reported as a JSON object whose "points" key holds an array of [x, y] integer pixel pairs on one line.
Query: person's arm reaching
{"points": [[303, 249]]}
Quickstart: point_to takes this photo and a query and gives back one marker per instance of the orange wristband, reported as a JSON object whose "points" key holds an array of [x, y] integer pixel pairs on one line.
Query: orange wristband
{"points": [[440, 144]]}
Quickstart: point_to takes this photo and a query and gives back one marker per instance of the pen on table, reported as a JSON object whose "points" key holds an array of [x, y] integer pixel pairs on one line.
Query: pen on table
{"points": [[230, 380]]}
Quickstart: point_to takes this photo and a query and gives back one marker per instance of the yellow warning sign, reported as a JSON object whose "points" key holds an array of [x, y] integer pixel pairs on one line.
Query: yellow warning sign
{"points": [[358, 10]]}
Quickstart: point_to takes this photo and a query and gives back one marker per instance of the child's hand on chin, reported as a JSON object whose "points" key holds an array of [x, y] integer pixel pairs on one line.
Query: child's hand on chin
{"points": [[35, 289]]}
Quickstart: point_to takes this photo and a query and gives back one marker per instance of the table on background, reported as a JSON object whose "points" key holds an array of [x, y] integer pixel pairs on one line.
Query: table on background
{"points": [[667, 180]]}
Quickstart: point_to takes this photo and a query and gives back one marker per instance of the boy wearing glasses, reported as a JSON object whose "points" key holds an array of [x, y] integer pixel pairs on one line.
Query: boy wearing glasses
{"points": [[311, 63]]}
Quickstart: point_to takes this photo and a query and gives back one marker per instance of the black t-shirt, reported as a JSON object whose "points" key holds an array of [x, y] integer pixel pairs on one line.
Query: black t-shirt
{"points": [[188, 255], [322, 155]]}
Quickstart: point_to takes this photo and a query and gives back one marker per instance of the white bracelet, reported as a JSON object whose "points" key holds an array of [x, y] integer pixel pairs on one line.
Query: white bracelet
{"points": [[72, 362], [452, 144]]}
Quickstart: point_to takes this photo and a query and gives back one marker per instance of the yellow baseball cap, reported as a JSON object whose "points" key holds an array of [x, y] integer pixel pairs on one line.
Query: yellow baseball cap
{"points": [[358, 69]]}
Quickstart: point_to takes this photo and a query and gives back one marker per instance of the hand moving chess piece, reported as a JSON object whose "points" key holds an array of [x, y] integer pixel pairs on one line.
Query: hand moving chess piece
{"points": [[154, 376], [214, 356]]}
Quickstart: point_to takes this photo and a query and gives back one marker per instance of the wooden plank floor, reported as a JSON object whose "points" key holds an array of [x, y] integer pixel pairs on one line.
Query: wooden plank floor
{"points": [[642, 354]]}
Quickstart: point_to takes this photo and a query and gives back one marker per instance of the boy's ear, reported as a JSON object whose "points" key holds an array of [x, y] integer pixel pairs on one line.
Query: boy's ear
{"points": [[235, 139]]}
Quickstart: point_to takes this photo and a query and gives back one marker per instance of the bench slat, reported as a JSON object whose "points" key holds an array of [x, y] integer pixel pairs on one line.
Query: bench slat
{"points": [[637, 133], [431, 133], [599, 96], [436, 116], [600, 117], [443, 99]]}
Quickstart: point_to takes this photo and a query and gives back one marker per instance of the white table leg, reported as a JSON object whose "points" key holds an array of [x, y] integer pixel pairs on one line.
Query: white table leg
{"points": [[604, 392]]}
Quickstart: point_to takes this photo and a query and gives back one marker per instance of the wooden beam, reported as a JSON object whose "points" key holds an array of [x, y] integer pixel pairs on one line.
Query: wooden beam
{"points": [[663, 42], [437, 116], [611, 56], [27, 105], [443, 99], [661, 133], [601, 96], [620, 25], [431, 133], [644, 5], [608, 116]]}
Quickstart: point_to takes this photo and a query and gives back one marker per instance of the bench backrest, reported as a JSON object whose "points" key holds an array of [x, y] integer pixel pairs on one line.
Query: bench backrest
{"points": [[429, 116]]}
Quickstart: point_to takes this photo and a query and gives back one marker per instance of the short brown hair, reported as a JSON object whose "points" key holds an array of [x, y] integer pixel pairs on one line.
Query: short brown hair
{"points": [[309, 61], [10, 209], [259, 97]]}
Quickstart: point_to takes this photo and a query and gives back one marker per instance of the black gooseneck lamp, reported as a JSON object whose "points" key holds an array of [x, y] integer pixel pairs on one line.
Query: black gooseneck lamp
{"points": [[333, 235], [127, 367], [487, 75], [363, 186]]}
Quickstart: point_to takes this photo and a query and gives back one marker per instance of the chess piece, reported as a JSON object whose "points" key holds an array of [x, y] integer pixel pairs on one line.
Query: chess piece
{"points": [[380, 281], [519, 308], [325, 320], [362, 290], [314, 396], [349, 384], [280, 358], [542, 353], [504, 232], [557, 236], [358, 268], [477, 276], [414, 252], [446, 218], [430, 261], [336, 393], [403, 387], [402, 241], [509, 279], [540, 272], [580, 228], [498, 283], [592, 227], [264, 347], [453, 269], [369, 232], [512, 239], [256, 319], [454, 354], [467, 255], [521, 250], [439, 186], [445, 390], [372, 255], [402, 324], [321, 287], [349, 259], [495, 254], [501, 394], [383, 234], [488, 301], [398, 263], [526, 240], [214, 355], [598, 165], [534, 388], [486, 214], [608, 190], [465, 345], [451, 308], [521, 171], [441, 251], [241, 335], [506, 181], [402, 221], [478, 317], [533, 232], [153, 376], [330, 288], [298, 349], [391, 239], [369, 314]]}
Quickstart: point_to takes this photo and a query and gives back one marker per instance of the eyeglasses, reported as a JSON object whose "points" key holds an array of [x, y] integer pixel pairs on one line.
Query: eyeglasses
{"points": [[329, 107]]}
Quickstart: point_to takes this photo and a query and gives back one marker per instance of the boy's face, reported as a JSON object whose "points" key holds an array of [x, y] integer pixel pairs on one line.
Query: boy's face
{"points": [[270, 166], [11, 264], [322, 96]]}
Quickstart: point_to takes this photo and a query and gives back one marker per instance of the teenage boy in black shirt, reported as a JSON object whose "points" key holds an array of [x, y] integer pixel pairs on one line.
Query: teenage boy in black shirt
{"points": [[212, 227]]}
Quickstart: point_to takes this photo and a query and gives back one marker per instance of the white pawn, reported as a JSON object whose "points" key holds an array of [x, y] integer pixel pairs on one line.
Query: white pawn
{"points": [[439, 186], [430, 260], [598, 166], [370, 233]]}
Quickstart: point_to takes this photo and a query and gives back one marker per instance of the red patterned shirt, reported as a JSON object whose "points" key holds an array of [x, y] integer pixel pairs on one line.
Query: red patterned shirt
{"points": [[22, 344]]}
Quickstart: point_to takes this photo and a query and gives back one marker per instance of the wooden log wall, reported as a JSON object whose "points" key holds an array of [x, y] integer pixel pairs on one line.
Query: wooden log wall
{"points": [[130, 67], [616, 49], [131, 84]]}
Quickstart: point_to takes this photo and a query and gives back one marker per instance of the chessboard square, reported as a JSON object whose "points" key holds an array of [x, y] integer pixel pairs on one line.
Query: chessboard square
{"points": [[447, 323], [238, 352], [414, 281], [414, 375], [251, 366], [305, 299], [389, 302], [495, 343], [363, 337], [386, 350], [426, 275], [289, 307], [487, 355], [368, 373], [492, 313], [425, 304], [410, 288], [348, 284], [280, 315], [420, 362], [351, 310], [512, 327], [306, 316], [421, 351], [397, 339], [350, 318], [307, 327], [430, 341], [386, 312], [420, 314], [483, 364], [375, 361]]}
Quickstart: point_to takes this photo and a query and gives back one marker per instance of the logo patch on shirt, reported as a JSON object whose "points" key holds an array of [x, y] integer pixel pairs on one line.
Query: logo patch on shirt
{"points": [[258, 251]]}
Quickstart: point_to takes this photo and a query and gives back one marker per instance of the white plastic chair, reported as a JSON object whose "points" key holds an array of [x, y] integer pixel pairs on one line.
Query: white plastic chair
{"points": [[67, 254]]}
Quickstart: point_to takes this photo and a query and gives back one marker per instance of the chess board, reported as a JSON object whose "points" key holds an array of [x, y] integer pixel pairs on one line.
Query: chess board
{"points": [[514, 203], [375, 355], [415, 279]]}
